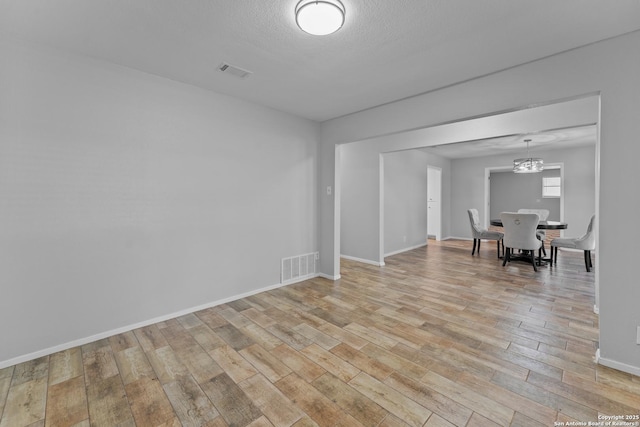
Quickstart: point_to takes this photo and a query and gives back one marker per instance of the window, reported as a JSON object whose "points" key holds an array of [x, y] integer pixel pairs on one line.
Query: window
{"points": [[551, 186]]}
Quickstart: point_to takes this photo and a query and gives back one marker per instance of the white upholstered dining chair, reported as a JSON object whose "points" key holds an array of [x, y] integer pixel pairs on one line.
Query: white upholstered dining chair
{"points": [[541, 234], [520, 233], [586, 243], [478, 232]]}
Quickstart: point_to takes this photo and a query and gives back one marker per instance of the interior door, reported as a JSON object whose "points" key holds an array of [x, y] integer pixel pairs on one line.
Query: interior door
{"points": [[434, 194]]}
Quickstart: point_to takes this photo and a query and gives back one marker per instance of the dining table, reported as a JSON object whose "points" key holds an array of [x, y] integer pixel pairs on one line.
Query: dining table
{"points": [[542, 225]]}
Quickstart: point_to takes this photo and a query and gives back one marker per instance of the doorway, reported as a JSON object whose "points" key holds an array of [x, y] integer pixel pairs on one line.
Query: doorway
{"points": [[434, 202]]}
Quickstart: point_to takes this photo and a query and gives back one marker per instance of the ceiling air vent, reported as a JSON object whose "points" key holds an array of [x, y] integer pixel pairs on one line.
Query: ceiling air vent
{"points": [[233, 70]]}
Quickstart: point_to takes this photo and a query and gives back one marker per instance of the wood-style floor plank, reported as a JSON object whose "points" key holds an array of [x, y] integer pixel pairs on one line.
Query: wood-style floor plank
{"points": [[443, 406], [278, 409], [233, 404], [5, 381], [25, 403], [65, 365], [435, 338], [265, 362], [350, 400], [390, 399], [67, 403], [149, 403], [108, 404], [190, 403], [320, 408]]}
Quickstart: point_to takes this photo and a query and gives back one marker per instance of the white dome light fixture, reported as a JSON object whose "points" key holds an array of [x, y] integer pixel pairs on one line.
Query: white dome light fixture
{"points": [[320, 17]]}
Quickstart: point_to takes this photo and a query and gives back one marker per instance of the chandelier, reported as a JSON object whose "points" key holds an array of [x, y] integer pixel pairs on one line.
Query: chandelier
{"points": [[528, 164]]}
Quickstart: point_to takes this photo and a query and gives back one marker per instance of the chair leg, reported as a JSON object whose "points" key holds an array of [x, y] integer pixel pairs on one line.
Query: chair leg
{"points": [[544, 251], [587, 260], [473, 251], [533, 259], [479, 240], [507, 255], [554, 256]]}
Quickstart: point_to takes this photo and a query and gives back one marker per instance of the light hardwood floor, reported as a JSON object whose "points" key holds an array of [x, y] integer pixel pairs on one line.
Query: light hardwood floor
{"points": [[436, 337]]}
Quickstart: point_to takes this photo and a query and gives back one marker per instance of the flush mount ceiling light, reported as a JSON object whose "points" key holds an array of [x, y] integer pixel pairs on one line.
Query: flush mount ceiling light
{"points": [[320, 17], [529, 164]]}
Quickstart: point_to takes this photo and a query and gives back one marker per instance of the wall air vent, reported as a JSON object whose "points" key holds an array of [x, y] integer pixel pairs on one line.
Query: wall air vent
{"points": [[299, 267], [233, 70]]}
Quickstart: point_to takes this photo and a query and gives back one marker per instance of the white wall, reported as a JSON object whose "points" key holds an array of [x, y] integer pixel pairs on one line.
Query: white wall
{"points": [[125, 197], [610, 68]]}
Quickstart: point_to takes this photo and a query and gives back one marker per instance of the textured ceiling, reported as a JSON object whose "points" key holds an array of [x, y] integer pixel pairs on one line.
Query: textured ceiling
{"points": [[387, 50]]}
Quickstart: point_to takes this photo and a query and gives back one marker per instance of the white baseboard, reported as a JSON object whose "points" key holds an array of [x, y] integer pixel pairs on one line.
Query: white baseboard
{"points": [[405, 249], [106, 334], [329, 277], [634, 370], [365, 261], [596, 310]]}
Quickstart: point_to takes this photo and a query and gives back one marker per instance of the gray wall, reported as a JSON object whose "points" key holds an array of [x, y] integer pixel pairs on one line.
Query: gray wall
{"points": [[360, 208], [579, 187], [125, 197], [512, 191], [359, 232], [610, 69], [405, 200], [403, 204]]}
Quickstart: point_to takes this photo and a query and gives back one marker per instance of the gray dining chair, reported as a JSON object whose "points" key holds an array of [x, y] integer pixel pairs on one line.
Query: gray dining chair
{"points": [[541, 234], [586, 243], [478, 232], [520, 233]]}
